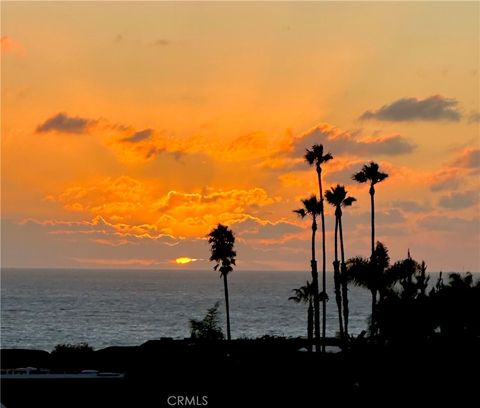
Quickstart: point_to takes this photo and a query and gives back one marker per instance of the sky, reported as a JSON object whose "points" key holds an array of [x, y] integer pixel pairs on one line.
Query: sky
{"points": [[129, 130]]}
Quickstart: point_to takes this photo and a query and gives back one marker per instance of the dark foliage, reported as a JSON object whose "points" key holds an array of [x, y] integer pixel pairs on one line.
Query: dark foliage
{"points": [[209, 327]]}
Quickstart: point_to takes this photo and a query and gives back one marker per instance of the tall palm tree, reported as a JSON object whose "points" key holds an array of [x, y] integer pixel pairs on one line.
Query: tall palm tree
{"points": [[315, 156], [370, 173], [304, 294], [312, 207], [337, 197], [222, 241]]}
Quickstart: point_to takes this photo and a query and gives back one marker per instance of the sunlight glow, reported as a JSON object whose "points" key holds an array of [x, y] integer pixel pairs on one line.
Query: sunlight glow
{"points": [[184, 260]]}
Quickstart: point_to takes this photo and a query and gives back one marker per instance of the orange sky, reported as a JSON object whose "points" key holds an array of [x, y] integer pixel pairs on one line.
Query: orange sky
{"points": [[130, 129]]}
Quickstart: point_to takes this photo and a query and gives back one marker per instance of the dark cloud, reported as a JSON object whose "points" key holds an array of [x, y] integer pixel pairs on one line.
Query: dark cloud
{"points": [[343, 176], [65, 124], [392, 216], [161, 42], [450, 224], [410, 206], [459, 200], [470, 159], [139, 136], [445, 181], [474, 117], [347, 142], [433, 108]]}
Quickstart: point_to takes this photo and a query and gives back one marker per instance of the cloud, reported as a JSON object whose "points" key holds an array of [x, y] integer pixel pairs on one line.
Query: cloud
{"points": [[139, 136], [433, 108], [266, 232], [343, 175], [161, 42], [118, 262], [11, 46], [446, 179], [474, 117], [410, 206], [344, 142], [138, 208], [65, 124], [468, 158], [63, 243], [459, 200], [467, 227]]}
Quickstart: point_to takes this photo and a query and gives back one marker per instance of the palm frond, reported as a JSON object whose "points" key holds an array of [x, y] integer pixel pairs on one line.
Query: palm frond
{"points": [[348, 201], [326, 158], [301, 212], [360, 177]]}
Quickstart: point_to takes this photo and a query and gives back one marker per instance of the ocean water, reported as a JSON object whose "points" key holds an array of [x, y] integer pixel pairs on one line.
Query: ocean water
{"points": [[41, 308]]}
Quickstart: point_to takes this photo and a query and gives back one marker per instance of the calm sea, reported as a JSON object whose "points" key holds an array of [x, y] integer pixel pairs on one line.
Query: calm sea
{"points": [[41, 308]]}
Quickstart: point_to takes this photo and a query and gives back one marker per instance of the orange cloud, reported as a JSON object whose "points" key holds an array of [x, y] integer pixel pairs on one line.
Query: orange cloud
{"points": [[132, 207], [11, 46], [118, 262]]}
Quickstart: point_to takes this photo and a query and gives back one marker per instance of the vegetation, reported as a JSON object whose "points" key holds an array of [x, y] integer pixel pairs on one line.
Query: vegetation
{"points": [[222, 240], [315, 157], [305, 294], [337, 197], [312, 207], [370, 173], [72, 348], [209, 327]]}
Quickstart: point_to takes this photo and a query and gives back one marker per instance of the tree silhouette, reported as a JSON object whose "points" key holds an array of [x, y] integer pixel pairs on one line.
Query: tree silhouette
{"points": [[337, 197], [315, 157], [208, 328], [372, 275], [312, 207], [305, 294], [370, 173], [222, 240]]}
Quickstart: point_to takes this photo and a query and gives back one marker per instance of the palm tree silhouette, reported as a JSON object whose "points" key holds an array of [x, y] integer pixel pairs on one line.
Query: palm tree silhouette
{"points": [[222, 241], [305, 294], [370, 173], [315, 156], [372, 274], [312, 207], [337, 197]]}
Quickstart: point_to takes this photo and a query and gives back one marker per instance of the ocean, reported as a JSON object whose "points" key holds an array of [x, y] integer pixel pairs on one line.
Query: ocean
{"points": [[41, 308]]}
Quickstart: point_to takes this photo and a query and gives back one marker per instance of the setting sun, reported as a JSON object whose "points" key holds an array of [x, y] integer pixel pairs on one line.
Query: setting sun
{"points": [[184, 260]]}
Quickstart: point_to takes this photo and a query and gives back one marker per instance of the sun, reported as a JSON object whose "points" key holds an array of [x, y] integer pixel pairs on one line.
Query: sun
{"points": [[184, 260]]}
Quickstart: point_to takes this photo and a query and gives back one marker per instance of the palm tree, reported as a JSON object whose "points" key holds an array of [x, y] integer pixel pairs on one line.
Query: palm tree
{"points": [[316, 157], [305, 294], [370, 173], [222, 241], [372, 275], [337, 197], [312, 207]]}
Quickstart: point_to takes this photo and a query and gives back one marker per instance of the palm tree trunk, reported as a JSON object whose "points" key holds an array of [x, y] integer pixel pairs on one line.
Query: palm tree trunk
{"points": [[316, 300], [374, 267], [324, 263], [336, 279], [372, 203], [373, 324], [310, 325], [343, 280], [227, 306]]}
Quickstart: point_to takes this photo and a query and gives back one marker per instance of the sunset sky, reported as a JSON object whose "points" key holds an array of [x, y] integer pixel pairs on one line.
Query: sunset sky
{"points": [[129, 130]]}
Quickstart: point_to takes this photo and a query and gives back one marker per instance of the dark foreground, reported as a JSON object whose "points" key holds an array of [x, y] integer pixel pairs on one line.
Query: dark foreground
{"points": [[250, 373]]}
